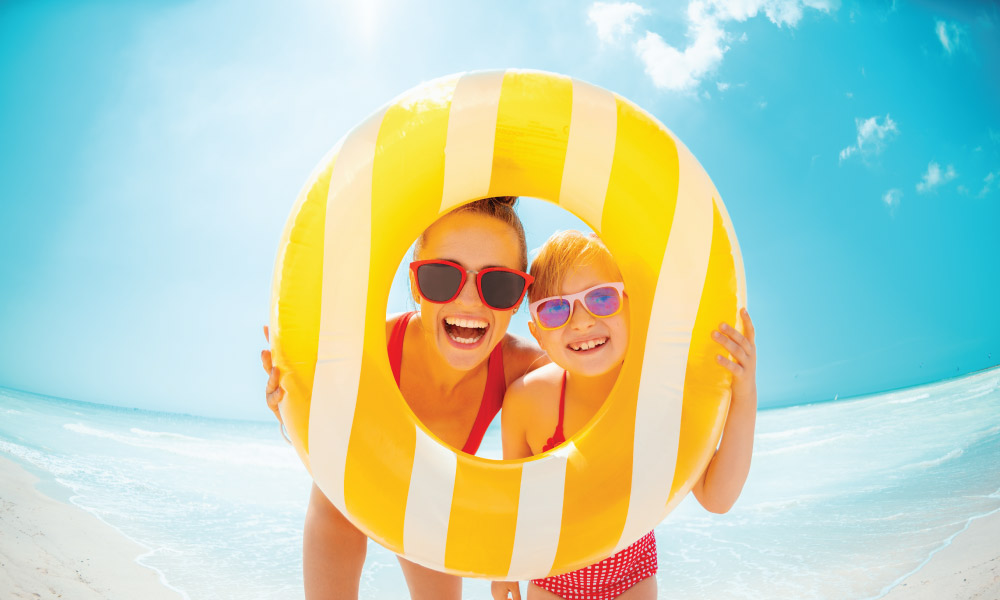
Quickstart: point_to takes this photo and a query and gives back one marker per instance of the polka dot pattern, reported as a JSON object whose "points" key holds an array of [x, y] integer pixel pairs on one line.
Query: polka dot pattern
{"points": [[609, 578]]}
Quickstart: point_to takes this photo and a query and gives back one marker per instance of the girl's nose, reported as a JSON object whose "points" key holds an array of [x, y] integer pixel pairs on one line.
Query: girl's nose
{"points": [[581, 317]]}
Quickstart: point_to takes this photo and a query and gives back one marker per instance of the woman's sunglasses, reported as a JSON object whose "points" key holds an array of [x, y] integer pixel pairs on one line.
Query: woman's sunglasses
{"points": [[441, 281], [602, 300]]}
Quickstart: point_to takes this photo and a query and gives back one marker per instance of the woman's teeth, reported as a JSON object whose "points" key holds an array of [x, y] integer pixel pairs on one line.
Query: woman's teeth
{"points": [[587, 345], [465, 330]]}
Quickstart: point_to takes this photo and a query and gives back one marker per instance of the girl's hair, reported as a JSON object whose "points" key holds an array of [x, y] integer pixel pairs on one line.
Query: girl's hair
{"points": [[500, 208], [562, 251]]}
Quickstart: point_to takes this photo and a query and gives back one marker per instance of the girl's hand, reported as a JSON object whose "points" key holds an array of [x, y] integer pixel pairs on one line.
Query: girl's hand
{"points": [[503, 590], [273, 390], [743, 364]]}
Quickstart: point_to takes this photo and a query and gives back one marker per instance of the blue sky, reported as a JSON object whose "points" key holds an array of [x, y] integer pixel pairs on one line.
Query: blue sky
{"points": [[151, 152]]}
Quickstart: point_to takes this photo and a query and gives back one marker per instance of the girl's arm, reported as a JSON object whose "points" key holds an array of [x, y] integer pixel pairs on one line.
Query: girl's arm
{"points": [[723, 480]]}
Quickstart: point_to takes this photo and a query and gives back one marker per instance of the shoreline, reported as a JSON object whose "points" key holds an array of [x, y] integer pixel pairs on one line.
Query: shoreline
{"points": [[967, 568], [53, 549]]}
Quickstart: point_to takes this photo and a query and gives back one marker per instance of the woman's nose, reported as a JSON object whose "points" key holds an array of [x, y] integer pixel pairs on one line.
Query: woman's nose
{"points": [[469, 295]]}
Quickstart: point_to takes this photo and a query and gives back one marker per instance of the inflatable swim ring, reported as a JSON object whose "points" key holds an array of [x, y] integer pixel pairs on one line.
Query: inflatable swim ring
{"points": [[505, 133]]}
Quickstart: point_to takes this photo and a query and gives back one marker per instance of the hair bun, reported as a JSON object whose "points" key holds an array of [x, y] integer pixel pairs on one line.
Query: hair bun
{"points": [[507, 201]]}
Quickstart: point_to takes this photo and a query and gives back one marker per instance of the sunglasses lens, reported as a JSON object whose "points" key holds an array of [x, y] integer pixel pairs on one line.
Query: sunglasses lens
{"points": [[603, 302], [438, 282], [553, 313], [502, 289]]}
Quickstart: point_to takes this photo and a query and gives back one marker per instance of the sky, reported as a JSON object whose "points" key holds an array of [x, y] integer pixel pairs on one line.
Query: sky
{"points": [[150, 152]]}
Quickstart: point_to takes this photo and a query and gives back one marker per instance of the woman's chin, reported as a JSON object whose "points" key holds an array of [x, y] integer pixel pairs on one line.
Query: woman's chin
{"points": [[462, 355]]}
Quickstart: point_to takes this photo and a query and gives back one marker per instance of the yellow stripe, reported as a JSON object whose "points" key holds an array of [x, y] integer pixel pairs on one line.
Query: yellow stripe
{"points": [[295, 314], [483, 516], [532, 134], [408, 177], [701, 421], [638, 210]]}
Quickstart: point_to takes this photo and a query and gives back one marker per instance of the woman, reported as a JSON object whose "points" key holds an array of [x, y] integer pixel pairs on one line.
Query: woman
{"points": [[453, 361]]}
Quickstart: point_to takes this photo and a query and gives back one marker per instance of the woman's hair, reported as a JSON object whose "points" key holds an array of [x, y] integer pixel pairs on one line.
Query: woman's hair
{"points": [[500, 208], [562, 251]]}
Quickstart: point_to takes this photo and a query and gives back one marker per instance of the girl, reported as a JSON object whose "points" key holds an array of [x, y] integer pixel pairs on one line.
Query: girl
{"points": [[580, 317], [453, 361]]}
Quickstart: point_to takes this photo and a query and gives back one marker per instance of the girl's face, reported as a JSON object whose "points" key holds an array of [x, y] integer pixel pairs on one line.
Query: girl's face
{"points": [[465, 331], [586, 345]]}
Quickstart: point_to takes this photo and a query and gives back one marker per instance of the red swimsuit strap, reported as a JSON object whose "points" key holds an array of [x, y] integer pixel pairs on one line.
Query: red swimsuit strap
{"points": [[496, 382], [395, 344], [557, 436], [496, 387]]}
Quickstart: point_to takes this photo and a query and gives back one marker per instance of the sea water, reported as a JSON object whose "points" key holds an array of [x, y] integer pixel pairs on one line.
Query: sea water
{"points": [[844, 498]]}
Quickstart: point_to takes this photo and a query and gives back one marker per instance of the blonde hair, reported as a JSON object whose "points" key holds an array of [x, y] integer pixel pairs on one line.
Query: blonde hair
{"points": [[562, 251], [500, 208]]}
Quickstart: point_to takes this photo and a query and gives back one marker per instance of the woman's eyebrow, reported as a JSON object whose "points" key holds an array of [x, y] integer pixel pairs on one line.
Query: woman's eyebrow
{"points": [[466, 267]]}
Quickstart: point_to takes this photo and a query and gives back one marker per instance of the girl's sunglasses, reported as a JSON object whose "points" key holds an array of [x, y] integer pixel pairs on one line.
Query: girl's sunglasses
{"points": [[603, 300], [441, 281]]}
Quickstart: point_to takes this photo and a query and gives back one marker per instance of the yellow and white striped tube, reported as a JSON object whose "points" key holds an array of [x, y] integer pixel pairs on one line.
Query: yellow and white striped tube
{"points": [[517, 133]]}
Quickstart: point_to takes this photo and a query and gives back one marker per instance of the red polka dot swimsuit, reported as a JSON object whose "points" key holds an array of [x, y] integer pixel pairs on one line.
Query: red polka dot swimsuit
{"points": [[612, 576]]}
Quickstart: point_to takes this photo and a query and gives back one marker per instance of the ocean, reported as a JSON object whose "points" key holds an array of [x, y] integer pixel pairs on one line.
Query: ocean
{"points": [[844, 499]]}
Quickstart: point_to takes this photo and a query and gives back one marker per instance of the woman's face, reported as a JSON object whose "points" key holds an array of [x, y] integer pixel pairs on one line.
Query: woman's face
{"points": [[587, 345], [465, 331]]}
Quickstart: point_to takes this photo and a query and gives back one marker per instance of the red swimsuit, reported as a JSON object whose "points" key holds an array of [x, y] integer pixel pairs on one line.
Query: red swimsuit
{"points": [[612, 576], [496, 384]]}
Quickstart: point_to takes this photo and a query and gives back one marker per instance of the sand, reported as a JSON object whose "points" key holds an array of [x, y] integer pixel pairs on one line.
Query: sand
{"points": [[50, 549], [967, 569]]}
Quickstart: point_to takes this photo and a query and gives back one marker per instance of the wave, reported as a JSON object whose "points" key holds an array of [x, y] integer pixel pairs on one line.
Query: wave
{"points": [[255, 454], [937, 461], [803, 445], [910, 399], [781, 435]]}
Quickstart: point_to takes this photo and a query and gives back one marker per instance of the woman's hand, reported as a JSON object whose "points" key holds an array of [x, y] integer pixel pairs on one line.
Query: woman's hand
{"points": [[274, 391], [743, 364], [503, 590]]}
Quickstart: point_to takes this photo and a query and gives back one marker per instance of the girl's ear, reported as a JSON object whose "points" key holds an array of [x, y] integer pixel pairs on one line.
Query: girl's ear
{"points": [[534, 332]]}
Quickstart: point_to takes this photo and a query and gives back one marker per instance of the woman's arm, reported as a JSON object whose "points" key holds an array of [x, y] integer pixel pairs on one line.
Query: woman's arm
{"points": [[520, 357], [513, 432], [723, 480], [333, 552]]}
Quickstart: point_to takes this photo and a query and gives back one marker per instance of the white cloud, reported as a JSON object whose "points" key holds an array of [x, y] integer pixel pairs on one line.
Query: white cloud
{"points": [[674, 69], [892, 197], [614, 20], [935, 177], [950, 35], [722, 86], [872, 137], [988, 183]]}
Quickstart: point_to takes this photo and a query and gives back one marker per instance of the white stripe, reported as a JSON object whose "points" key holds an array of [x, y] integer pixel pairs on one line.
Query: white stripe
{"points": [[539, 514], [342, 316], [593, 130], [428, 503], [468, 151], [661, 387]]}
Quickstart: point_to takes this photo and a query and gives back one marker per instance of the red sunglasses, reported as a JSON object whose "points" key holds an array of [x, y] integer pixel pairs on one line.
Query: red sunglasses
{"points": [[441, 281]]}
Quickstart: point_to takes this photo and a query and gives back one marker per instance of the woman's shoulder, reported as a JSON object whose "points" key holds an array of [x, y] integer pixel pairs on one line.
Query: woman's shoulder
{"points": [[520, 356], [390, 321]]}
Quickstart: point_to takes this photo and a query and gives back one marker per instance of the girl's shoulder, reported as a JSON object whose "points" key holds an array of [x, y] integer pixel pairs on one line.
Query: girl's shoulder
{"points": [[533, 393], [520, 357]]}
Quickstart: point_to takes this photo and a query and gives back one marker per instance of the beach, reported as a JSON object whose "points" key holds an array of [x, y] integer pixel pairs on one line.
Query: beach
{"points": [[49, 549], [966, 569]]}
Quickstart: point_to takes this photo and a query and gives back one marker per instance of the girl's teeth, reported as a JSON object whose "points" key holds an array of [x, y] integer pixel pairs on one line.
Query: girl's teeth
{"points": [[588, 344]]}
